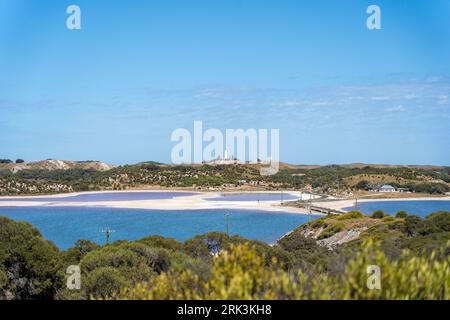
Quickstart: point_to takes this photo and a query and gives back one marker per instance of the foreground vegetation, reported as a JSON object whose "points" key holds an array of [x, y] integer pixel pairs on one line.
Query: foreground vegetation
{"points": [[324, 259], [327, 179], [241, 273]]}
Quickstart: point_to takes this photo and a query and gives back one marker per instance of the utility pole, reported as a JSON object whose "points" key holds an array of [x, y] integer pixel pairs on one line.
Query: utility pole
{"points": [[107, 231], [227, 217], [356, 203], [310, 204]]}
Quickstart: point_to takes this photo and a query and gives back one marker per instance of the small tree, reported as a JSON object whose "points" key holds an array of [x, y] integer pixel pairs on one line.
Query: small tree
{"points": [[20, 161], [363, 185], [401, 214], [378, 214]]}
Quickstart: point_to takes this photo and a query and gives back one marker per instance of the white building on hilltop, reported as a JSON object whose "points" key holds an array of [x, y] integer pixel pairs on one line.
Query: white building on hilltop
{"points": [[227, 159], [230, 159]]}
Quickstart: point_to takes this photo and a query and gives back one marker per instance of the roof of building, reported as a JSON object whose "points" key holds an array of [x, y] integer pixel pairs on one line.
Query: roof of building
{"points": [[387, 186]]}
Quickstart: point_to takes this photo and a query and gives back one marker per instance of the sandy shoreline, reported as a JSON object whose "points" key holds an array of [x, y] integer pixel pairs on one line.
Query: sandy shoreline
{"points": [[198, 201]]}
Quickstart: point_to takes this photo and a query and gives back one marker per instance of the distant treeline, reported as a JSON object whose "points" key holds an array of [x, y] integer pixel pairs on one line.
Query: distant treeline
{"points": [[334, 177], [424, 187], [327, 179], [10, 161]]}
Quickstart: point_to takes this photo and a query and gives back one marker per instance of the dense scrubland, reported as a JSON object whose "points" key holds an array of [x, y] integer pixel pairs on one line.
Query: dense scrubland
{"points": [[324, 259], [327, 179]]}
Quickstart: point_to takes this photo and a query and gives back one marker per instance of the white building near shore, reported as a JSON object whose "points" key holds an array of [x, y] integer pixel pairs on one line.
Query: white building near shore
{"points": [[386, 188]]}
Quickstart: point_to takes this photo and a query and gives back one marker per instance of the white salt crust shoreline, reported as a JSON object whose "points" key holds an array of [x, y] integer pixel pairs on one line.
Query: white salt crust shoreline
{"points": [[198, 201]]}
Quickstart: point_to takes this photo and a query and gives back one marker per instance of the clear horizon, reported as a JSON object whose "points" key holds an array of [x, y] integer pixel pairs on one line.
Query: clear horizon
{"points": [[116, 89]]}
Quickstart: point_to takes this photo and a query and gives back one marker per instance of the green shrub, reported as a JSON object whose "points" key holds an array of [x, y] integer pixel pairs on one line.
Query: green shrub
{"points": [[240, 274], [74, 255], [350, 215], [318, 223], [161, 242], [331, 230], [134, 262], [30, 267], [378, 214], [104, 282], [388, 218], [412, 225], [401, 214]]}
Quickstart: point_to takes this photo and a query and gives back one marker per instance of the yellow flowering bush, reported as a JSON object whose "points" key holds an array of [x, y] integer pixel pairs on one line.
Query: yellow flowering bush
{"points": [[240, 273]]}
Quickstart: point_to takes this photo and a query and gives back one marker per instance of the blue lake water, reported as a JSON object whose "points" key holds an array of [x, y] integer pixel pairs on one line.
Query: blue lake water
{"points": [[65, 225], [421, 208], [107, 196], [254, 197]]}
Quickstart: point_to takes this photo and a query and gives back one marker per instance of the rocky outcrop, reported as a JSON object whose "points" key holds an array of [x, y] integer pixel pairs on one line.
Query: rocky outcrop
{"points": [[341, 238], [335, 230]]}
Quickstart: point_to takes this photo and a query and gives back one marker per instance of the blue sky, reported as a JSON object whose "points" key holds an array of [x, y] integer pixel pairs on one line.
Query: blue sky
{"points": [[116, 89]]}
